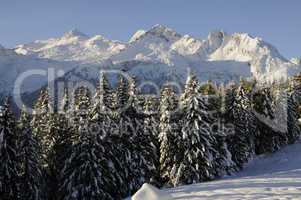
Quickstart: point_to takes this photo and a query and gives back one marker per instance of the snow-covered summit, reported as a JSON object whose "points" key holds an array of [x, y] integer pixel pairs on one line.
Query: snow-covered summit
{"points": [[164, 32], [158, 31], [75, 33]]}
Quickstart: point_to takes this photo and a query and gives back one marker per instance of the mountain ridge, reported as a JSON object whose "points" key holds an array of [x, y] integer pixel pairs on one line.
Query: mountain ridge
{"points": [[161, 51]]}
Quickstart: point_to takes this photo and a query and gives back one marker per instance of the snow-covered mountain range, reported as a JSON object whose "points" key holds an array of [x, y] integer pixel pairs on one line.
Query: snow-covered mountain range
{"points": [[158, 54]]}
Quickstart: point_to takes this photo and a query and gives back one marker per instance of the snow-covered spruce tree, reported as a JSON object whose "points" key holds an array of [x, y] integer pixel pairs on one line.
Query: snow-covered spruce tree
{"points": [[32, 179], [151, 131], [266, 138], [283, 106], [86, 174], [223, 163], [63, 134], [294, 109], [102, 100], [245, 93], [237, 113], [169, 137], [151, 111], [118, 151], [81, 106], [141, 160], [9, 163], [117, 155], [39, 124], [108, 136], [51, 130], [55, 134], [293, 125], [122, 93], [198, 159]]}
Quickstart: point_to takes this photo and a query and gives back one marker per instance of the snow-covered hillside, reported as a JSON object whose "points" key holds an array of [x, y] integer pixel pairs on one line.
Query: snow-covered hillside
{"points": [[275, 176], [159, 53], [13, 64]]}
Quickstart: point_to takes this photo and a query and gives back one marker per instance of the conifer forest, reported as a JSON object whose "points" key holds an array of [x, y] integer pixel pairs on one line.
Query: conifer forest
{"points": [[104, 145]]}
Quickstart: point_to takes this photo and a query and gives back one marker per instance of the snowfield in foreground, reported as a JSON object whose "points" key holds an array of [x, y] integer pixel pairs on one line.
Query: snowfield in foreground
{"points": [[274, 176]]}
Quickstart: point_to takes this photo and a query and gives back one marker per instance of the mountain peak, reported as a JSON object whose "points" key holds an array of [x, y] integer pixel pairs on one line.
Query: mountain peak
{"points": [[160, 27], [1, 47], [165, 32], [158, 31], [75, 33]]}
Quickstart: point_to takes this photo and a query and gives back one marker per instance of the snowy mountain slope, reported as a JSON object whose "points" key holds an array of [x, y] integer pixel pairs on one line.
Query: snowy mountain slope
{"points": [[275, 176], [12, 65], [263, 57], [188, 45], [150, 75]]}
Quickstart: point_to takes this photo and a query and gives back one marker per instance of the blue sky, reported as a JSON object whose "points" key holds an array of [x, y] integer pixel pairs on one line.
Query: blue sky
{"points": [[278, 22]]}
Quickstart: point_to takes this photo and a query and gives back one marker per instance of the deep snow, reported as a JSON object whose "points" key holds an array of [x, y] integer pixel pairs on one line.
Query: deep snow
{"points": [[148, 191], [273, 176]]}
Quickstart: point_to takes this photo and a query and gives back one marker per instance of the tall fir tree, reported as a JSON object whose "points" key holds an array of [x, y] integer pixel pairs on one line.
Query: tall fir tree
{"points": [[198, 159], [169, 137], [32, 177], [142, 161], [53, 133], [63, 134], [223, 163], [9, 163], [151, 130], [237, 112], [102, 100], [122, 93], [108, 136], [84, 173], [39, 124], [267, 139], [293, 114], [294, 109]]}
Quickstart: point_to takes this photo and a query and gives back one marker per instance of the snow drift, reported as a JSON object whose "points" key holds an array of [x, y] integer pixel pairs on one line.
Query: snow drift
{"points": [[149, 192]]}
